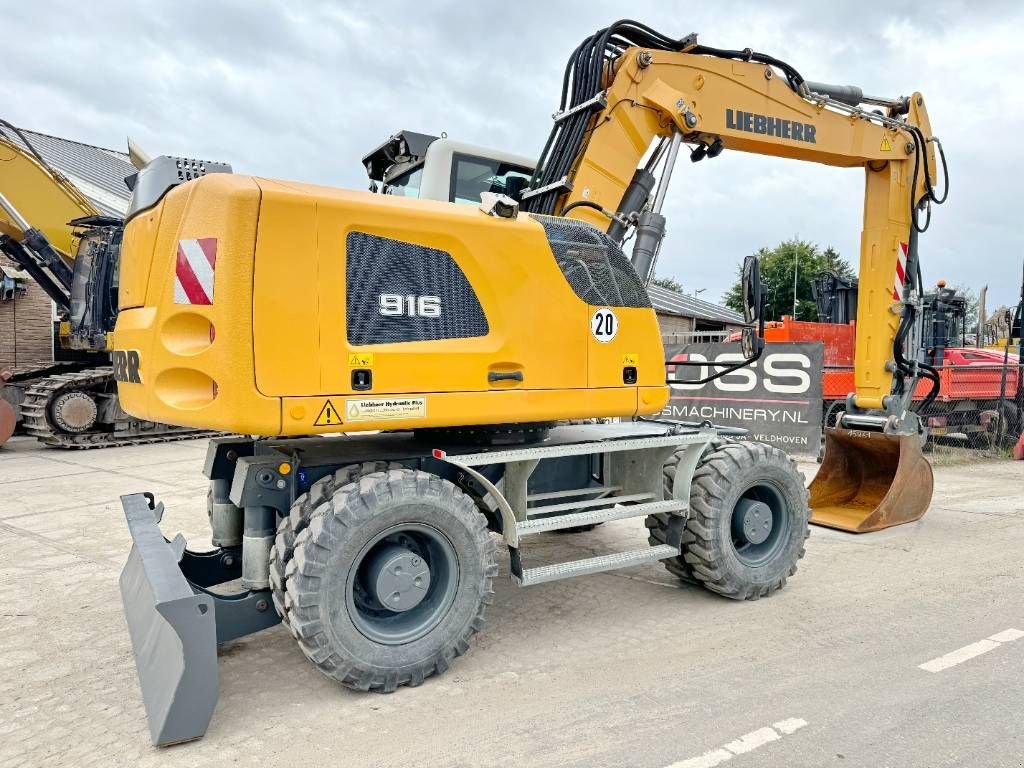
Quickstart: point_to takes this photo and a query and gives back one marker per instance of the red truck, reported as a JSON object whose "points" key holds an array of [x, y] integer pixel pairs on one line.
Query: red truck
{"points": [[971, 379]]}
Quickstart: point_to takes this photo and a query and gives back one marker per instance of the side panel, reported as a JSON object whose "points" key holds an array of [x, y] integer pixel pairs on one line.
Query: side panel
{"points": [[257, 341], [532, 323], [635, 344]]}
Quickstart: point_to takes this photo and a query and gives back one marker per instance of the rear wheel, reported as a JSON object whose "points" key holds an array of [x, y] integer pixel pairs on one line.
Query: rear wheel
{"points": [[305, 507], [747, 523], [388, 584]]}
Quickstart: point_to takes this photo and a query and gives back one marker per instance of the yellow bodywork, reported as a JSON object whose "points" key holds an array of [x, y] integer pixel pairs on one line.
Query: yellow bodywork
{"points": [[46, 201], [271, 356]]}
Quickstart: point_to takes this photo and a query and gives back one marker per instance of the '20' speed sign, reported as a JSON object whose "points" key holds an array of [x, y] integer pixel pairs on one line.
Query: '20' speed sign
{"points": [[604, 325]]}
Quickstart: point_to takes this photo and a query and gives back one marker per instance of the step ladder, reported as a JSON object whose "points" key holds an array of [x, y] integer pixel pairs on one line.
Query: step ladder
{"points": [[633, 488]]}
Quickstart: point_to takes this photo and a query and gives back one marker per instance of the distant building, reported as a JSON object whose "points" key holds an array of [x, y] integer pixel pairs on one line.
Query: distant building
{"points": [[685, 318], [27, 317]]}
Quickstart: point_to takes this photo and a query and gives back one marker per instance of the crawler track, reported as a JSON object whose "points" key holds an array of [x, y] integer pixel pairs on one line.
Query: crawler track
{"points": [[124, 430]]}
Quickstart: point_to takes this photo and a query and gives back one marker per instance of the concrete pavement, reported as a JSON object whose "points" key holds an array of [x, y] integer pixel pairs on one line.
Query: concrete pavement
{"points": [[621, 669]]}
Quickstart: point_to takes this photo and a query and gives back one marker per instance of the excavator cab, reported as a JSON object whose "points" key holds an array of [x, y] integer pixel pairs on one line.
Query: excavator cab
{"points": [[92, 307]]}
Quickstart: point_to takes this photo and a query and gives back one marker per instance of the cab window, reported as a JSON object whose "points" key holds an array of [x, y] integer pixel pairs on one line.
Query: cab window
{"points": [[406, 185], [473, 175]]}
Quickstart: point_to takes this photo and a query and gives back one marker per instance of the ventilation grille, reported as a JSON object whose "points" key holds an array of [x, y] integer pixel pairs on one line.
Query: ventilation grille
{"points": [[379, 266], [595, 267]]}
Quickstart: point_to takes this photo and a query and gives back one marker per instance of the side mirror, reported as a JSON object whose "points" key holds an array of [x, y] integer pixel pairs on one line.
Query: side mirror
{"points": [[752, 338], [752, 289]]}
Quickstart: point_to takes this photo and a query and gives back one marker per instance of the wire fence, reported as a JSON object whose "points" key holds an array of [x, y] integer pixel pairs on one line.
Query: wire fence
{"points": [[978, 413]]}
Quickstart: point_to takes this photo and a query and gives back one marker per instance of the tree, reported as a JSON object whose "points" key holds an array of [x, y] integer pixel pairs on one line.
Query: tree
{"points": [[970, 307], [777, 267], [669, 283]]}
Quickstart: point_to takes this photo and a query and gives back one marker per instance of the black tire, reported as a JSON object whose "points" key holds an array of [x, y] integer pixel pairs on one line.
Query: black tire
{"points": [[713, 555], [307, 505], [340, 635], [657, 525]]}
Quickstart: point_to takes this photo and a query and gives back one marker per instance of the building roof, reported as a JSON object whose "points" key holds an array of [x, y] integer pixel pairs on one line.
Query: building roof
{"points": [[672, 303], [97, 172]]}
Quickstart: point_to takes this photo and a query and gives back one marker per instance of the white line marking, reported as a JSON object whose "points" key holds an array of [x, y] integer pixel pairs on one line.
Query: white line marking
{"points": [[790, 725], [707, 760], [968, 652], [748, 742], [1007, 636], [751, 741], [959, 656]]}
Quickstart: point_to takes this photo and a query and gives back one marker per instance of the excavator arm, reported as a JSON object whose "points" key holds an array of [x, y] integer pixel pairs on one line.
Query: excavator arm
{"points": [[36, 204], [631, 95]]}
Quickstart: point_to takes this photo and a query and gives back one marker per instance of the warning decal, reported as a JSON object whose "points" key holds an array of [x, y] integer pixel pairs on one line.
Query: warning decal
{"points": [[901, 271], [886, 146], [328, 417], [193, 271], [383, 409], [360, 359]]}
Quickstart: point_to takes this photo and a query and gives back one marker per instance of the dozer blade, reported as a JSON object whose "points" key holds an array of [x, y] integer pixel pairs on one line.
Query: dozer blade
{"points": [[869, 481], [173, 630]]}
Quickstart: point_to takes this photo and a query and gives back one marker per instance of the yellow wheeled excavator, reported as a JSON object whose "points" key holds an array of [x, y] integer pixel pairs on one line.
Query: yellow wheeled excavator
{"points": [[456, 345], [56, 234]]}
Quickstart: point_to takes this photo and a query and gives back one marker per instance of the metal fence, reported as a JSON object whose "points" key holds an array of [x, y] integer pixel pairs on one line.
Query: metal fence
{"points": [[979, 411], [695, 337]]}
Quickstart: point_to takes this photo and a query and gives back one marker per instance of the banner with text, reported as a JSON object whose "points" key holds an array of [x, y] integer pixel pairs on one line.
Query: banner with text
{"points": [[777, 399]]}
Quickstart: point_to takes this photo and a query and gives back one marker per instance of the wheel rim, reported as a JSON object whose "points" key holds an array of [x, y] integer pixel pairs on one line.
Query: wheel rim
{"points": [[402, 583], [760, 524]]}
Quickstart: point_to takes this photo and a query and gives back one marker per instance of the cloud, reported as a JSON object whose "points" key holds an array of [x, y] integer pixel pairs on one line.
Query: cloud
{"points": [[303, 90]]}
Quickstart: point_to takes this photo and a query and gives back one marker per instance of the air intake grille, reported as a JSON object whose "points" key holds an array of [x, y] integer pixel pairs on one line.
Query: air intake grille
{"points": [[399, 291], [595, 267]]}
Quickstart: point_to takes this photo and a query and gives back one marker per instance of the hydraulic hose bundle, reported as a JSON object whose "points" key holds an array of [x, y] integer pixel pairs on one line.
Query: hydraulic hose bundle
{"points": [[586, 76]]}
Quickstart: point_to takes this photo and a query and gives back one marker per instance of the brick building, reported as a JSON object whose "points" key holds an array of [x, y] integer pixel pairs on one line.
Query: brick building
{"points": [[27, 317]]}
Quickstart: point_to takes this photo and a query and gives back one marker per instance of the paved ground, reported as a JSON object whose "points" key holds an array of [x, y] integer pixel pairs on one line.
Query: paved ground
{"points": [[624, 669]]}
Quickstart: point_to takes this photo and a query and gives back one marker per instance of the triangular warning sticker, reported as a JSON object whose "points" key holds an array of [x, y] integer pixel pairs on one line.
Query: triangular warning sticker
{"points": [[886, 147], [328, 417]]}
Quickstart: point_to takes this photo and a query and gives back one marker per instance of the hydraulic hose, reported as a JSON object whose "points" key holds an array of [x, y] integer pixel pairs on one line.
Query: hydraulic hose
{"points": [[586, 73]]}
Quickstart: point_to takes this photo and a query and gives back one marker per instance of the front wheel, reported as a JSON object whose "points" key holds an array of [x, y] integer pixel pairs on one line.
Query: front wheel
{"points": [[388, 585], [747, 523]]}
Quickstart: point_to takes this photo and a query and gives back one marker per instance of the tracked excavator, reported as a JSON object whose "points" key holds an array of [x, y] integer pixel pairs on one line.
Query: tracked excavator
{"points": [[52, 231], [456, 345]]}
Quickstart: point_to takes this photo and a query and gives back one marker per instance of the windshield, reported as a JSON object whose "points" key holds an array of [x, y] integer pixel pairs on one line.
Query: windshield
{"points": [[473, 175]]}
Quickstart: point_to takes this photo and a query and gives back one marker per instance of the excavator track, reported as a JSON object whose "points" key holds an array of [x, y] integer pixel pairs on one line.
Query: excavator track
{"points": [[37, 417]]}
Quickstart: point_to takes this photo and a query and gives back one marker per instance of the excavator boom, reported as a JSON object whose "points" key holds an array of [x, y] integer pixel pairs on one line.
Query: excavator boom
{"points": [[660, 93]]}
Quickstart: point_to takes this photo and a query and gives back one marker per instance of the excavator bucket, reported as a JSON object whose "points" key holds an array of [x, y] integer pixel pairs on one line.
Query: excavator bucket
{"points": [[173, 629], [869, 481]]}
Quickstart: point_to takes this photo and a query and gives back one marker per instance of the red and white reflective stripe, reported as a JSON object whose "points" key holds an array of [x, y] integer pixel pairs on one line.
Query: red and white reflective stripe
{"points": [[193, 272], [901, 272]]}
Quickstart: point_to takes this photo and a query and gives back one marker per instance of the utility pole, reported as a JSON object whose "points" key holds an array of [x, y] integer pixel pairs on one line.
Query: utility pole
{"points": [[796, 263]]}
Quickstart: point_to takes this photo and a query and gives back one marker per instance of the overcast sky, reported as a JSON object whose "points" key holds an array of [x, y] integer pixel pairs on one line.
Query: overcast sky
{"points": [[301, 90]]}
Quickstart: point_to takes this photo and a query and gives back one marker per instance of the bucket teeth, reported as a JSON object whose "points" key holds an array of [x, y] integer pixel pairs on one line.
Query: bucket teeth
{"points": [[869, 481]]}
